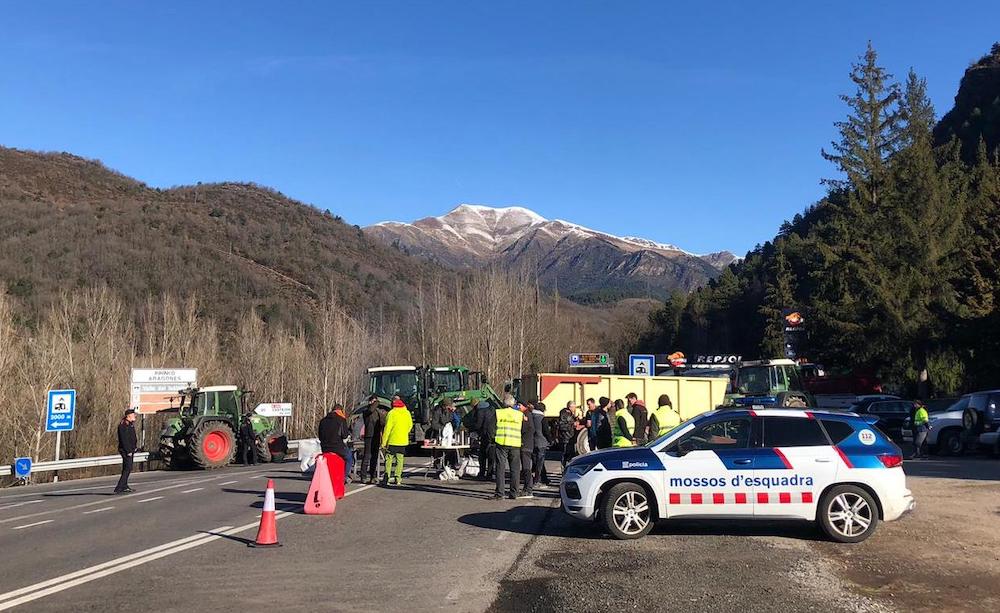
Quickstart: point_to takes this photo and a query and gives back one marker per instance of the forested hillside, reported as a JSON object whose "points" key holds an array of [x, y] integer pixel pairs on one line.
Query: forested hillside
{"points": [[102, 274], [69, 223], [896, 270]]}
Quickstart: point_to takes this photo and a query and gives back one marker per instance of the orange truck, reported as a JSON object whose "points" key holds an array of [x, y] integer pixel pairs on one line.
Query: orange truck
{"points": [[690, 395]]}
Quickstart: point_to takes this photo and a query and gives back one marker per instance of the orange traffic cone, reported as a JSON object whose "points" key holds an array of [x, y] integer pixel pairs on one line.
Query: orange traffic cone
{"points": [[320, 500], [267, 534]]}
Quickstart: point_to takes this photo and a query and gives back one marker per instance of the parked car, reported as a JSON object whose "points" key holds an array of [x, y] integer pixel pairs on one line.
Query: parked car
{"points": [[945, 436], [891, 411], [981, 419]]}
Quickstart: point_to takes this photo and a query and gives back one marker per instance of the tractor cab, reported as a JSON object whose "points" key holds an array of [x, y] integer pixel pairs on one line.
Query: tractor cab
{"points": [[769, 383], [424, 387]]}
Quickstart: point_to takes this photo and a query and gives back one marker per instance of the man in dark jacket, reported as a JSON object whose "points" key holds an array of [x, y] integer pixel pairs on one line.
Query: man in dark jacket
{"points": [[538, 472], [486, 426], [566, 431], [127, 443], [604, 428], [373, 418], [332, 431], [527, 450], [248, 441], [641, 416]]}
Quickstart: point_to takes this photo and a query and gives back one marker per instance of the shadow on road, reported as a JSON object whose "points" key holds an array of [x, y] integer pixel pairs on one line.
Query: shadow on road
{"points": [[549, 521], [295, 497], [531, 520], [230, 537], [434, 488], [707, 527], [983, 469]]}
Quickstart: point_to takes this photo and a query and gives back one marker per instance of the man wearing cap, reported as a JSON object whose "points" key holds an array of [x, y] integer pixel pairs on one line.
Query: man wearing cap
{"points": [[127, 442]]}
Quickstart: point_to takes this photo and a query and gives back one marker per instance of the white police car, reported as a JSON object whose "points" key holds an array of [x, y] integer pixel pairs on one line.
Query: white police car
{"points": [[833, 468]]}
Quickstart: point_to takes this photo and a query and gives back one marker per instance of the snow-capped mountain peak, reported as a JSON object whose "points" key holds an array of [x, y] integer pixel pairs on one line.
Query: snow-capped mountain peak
{"points": [[472, 235]]}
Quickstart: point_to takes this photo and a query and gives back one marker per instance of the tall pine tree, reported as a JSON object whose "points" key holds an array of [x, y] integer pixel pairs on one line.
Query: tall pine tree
{"points": [[779, 294], [846, 274], [918, 303]]}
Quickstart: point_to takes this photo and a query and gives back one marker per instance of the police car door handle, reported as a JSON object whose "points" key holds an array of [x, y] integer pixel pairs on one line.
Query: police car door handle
{"points": [[742, 462], [822, 459]]}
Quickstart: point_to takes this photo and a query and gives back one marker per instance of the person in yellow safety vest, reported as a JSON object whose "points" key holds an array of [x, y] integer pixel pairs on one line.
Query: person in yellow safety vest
{"points": [[623, 429], [508, 448], [395, 438], [921, 426], [663, 418]]}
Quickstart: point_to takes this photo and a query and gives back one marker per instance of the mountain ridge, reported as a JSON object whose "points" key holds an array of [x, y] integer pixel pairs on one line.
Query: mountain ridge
{"points": [[589, 264]]}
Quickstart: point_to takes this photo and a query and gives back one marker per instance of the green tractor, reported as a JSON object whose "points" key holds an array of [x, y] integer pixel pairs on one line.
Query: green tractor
{"points": [[203, 433], [423, 387]]}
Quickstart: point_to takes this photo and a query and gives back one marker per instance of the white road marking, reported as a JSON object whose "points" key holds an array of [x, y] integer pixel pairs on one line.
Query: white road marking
{"points": [[98, 502], [97, 510], [229, 482], [31, 593], [19, 504], [37, 523], [195, 489], [360, 489], [86, 571], [109, 479], [150, 499]]}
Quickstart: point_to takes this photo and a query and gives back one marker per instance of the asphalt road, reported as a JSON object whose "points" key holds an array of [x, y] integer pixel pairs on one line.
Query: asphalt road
{"points": [[179, 544]]}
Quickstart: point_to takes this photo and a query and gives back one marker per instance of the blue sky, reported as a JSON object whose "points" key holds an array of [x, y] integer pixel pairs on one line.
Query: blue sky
{"points": [[696, 124]]}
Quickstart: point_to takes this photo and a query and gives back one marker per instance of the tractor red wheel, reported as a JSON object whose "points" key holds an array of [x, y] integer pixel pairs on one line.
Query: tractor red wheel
{"points": [[215, 446]]}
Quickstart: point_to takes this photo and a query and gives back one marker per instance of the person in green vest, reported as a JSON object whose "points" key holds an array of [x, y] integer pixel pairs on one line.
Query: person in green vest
{"points": [[663, 418], [622, 428], [508, 448], [395, 438], [921, 427]]}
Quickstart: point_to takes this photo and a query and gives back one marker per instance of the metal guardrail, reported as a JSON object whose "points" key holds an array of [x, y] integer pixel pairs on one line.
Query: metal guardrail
{"points": [[106, 460]]}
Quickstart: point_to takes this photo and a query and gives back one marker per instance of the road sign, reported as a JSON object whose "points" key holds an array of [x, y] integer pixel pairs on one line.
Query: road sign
{"points": [[22, 468], [274, 409], [61, 413], [641, 365], [152, 388], [577, 360]]}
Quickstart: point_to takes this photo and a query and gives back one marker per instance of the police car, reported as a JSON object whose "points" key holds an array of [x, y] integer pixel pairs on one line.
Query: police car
{"points": [[834, 468]]}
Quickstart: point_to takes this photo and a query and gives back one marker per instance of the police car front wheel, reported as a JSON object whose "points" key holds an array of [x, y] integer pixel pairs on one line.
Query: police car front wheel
{"points": [[626, 511], [848, 514]]}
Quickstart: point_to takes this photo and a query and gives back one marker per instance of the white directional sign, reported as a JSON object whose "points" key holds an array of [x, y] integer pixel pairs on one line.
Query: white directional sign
{"points": [[152, 388], [274, 409], [61, 413], [641, 365]]}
